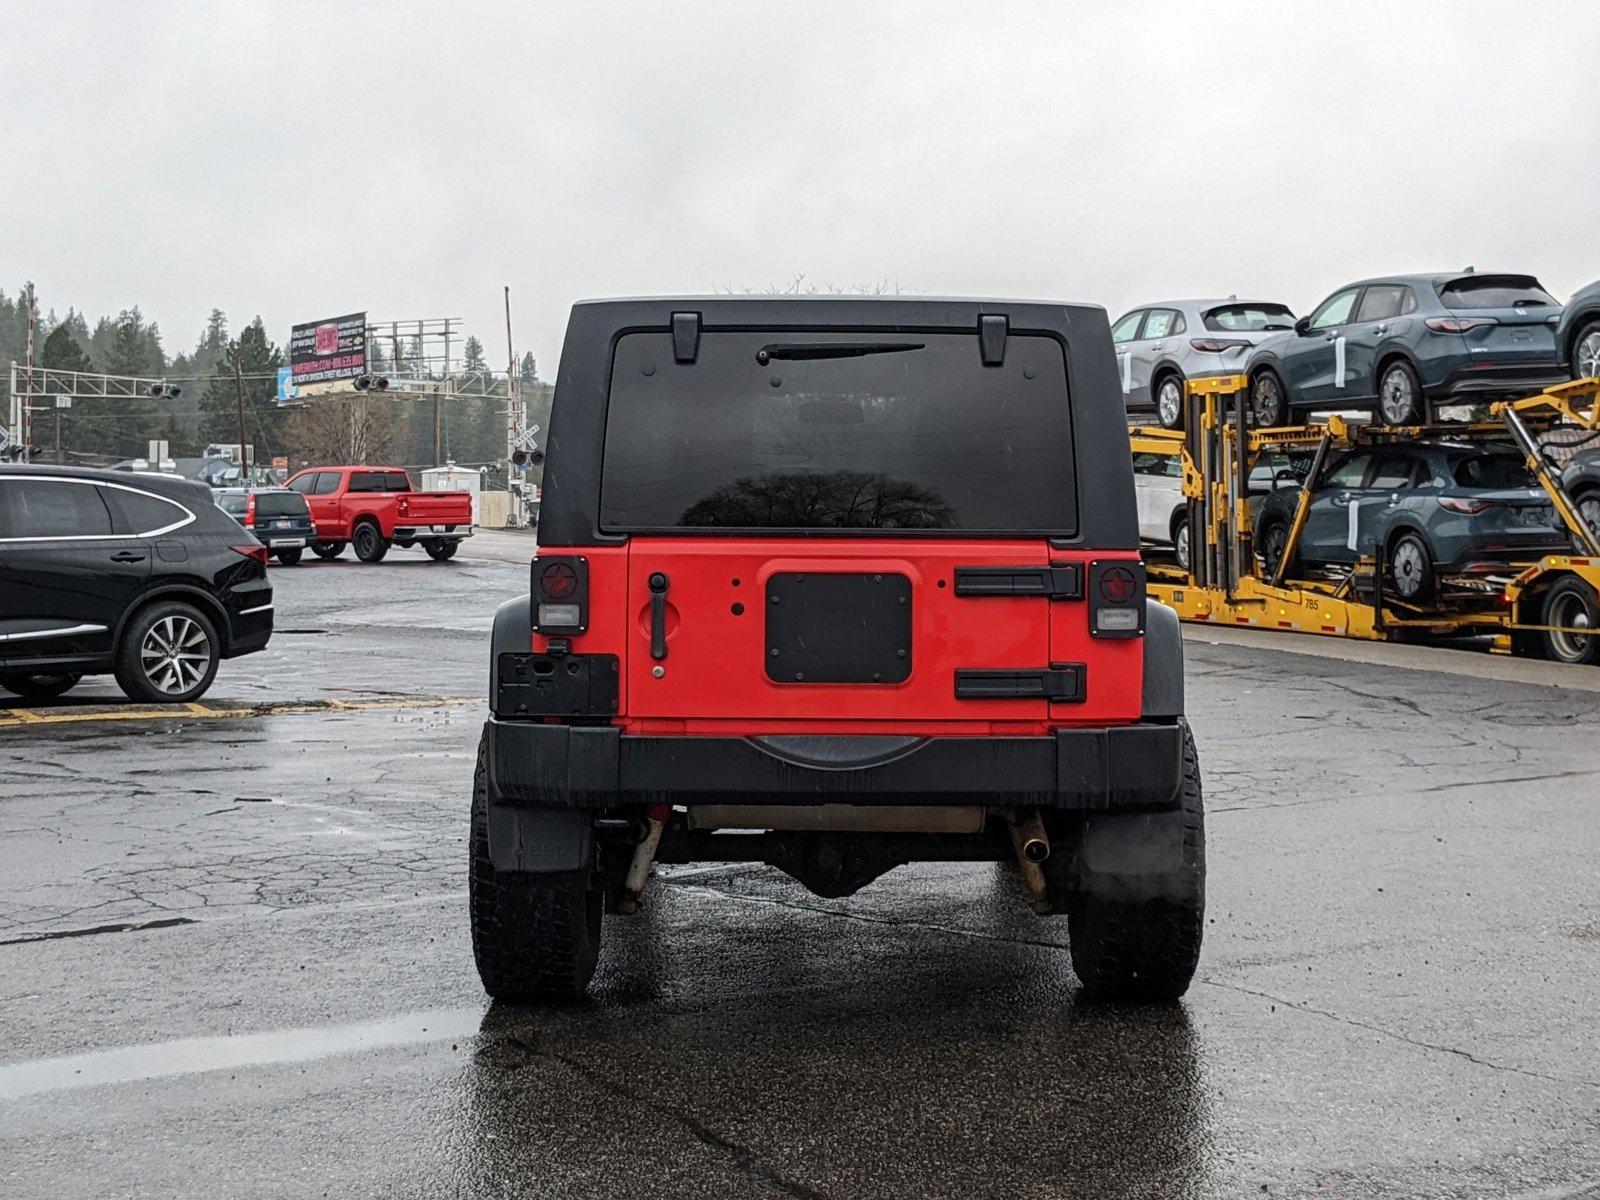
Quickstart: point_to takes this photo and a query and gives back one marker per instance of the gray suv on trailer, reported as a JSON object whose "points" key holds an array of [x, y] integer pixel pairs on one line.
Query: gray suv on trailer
{"points": [[1402, 344], [1159, 346]]}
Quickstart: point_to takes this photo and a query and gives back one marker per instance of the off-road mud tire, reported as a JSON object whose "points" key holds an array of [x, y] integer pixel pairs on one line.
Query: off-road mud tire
{"points": [[1145, 950], [536, 938]]}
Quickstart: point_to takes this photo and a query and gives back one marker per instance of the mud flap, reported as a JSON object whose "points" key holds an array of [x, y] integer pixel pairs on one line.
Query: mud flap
{"points": [[539, 840], [1132, 845]]}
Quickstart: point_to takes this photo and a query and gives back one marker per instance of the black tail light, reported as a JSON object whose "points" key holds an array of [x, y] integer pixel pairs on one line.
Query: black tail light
{"points": [[560, 590], [1116, 599]]}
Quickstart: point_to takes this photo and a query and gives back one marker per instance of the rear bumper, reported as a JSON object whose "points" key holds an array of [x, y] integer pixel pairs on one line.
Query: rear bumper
{"points": [[250, 610], [1088, 770], [428, 533], [1494, 560], [1469, 380]]}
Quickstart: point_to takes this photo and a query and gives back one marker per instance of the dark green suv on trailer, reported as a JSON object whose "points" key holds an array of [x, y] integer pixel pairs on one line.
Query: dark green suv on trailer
{"points": [[1404, 344]]}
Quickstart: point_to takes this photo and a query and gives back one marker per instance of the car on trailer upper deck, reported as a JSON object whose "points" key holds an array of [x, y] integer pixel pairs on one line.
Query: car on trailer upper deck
{"points": [[1401, 345]]}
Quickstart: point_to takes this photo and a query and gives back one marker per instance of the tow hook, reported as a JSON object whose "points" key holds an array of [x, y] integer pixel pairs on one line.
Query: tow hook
{"points": [[1032, 845], [643, 855]]}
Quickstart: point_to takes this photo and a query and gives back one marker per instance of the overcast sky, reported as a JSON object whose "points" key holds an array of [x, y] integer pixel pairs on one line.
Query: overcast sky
{"points": [[303, 161]]}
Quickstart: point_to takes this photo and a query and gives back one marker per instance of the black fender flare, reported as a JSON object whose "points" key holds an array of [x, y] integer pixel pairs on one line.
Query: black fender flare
{"points": [[1393, 526], [191, 593], [1163, 367], [1253, 371], [512, 634], [1393, 352], [526, 838], [1163, 663], [1576, 324]]}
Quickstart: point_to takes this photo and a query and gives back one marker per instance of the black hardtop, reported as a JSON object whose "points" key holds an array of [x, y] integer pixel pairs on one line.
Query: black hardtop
{"points": [[570, 506]]}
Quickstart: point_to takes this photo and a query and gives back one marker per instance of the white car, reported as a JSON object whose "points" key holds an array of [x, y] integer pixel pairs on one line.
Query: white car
{"points": [[1163, 512]]}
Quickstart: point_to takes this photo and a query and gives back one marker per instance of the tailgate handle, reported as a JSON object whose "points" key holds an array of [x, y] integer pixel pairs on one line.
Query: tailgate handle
{"points": [[658, 614], [1058, 681], [1063, 582]]}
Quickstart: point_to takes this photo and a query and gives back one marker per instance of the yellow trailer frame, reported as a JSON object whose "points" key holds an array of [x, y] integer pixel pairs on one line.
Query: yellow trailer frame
{"points": [[1224, 585]]}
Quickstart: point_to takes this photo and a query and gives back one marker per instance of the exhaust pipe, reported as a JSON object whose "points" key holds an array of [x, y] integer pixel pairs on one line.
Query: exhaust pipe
{"points": [[1032, 841], [643, 855], [1032, 845]]}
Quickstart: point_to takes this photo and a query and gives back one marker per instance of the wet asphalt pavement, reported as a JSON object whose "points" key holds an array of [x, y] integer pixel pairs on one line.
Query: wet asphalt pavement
{"points": [[234, 957]]}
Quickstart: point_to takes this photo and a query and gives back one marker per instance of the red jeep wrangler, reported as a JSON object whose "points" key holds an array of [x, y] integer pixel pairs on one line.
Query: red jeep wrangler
{"points": [[836, 585]]}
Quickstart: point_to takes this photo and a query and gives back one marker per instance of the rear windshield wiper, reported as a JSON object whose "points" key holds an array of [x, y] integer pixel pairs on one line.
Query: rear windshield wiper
{"points": [[799, 350]]}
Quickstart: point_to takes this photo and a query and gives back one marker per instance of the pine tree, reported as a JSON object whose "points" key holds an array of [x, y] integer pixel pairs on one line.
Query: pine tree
{"points": [[14, 326], [121, 426], [130, 349], [61, 351], [100, 341], [78, 327], [259, 361], [213, 343]]}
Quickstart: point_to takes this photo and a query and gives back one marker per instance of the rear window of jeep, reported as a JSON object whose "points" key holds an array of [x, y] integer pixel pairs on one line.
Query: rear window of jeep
{"points": [[781, 430]]}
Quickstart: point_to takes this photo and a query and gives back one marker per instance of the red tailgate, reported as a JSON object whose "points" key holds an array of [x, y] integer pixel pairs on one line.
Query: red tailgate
{"points": [[436, 508], [747, 626]]}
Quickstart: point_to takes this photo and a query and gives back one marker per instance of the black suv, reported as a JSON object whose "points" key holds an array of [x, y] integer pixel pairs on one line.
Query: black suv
{"points": [[836, 585], [137, 575]]}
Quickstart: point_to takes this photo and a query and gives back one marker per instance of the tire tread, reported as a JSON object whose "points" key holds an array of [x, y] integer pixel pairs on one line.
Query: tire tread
{"points": [[534, 938], [1146, 951]]}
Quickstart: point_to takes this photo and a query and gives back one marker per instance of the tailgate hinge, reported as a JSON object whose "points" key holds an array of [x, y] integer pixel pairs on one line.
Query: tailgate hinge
{"points": [[685, 336], [992, 331], [1060, 582]]}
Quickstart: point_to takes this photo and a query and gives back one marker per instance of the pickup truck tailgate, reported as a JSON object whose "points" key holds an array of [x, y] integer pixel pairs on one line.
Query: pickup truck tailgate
{"points": [[435, 508]]}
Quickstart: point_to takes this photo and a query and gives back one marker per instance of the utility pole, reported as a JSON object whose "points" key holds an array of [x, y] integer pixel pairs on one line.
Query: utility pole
{"points": [[238, 391], [27, 408], [515, 417], [59, 459], [438, 454]]}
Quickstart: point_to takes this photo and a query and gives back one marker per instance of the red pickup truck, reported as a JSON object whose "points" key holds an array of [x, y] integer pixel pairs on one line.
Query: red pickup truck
{"points": [[373, 508]]}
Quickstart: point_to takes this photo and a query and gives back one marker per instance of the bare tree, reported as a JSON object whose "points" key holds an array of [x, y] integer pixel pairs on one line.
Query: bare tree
{"points": [[342, 431]]}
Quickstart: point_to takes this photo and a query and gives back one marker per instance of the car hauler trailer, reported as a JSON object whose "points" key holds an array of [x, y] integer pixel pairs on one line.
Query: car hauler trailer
{"points": [[1546, 607]]}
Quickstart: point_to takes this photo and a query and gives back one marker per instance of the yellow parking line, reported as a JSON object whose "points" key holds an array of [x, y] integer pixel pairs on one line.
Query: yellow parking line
{"points": [[16, 717]]}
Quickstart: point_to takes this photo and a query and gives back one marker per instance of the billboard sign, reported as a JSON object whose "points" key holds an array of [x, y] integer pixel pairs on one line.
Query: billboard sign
{"points": [[286, 391], [330, 350]]}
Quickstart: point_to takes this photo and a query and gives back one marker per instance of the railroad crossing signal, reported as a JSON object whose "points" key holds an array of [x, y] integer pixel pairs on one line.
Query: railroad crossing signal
{"points": [[527, 452]]}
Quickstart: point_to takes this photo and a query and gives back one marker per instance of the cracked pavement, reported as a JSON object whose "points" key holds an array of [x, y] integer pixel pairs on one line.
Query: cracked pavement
{"points": [[234, 958]]}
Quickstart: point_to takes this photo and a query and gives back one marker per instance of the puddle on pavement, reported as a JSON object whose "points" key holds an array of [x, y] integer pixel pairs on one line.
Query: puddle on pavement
{"points": [[189, 1056]]}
